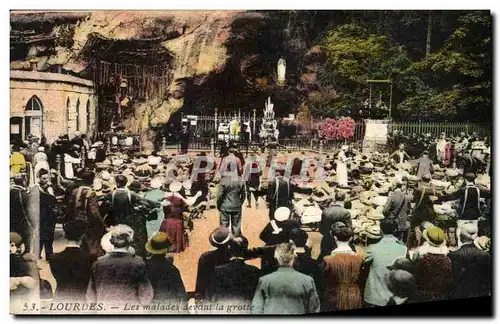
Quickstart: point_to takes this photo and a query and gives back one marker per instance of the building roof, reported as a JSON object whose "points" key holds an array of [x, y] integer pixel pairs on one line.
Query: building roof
{"points": [[49, 77]]}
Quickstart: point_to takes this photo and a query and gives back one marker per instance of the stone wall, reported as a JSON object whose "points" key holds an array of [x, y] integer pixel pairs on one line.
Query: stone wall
{"points": [[376, 132], [64, 100]]}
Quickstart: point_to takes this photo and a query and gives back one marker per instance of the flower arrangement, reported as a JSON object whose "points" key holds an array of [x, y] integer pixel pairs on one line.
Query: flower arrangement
{"points": [[337, 128]]}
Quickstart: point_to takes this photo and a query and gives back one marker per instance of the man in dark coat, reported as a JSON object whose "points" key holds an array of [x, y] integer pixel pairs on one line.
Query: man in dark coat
{"points": [[184, 139], [280, 193], [119, 277], [424, 165], [397, 209], [123, 201], [469, 208], [19, 221], [422, 212], [304, 263], [471, 267], [230, 199], [219, 239], [234, 283], [42, 209], [164, 276], [333, 214], [71, 267], [83, 205]]}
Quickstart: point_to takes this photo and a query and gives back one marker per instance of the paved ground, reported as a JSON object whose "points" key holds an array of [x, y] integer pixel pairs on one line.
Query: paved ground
{"points": [[254, 221]]}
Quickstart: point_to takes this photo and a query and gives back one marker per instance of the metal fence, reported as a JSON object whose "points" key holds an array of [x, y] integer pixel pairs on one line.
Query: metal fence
{"points": [[204, 132], [451, 129]]}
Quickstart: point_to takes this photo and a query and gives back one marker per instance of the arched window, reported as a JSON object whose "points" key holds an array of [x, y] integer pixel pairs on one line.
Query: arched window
{"points": [[89, 116], [78, 114], [34, 104], [33, 117]]}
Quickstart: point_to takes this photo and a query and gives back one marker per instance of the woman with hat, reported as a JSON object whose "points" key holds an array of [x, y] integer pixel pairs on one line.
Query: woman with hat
{"points": [[342, 166], [174, 209], [276, 232], [165, 278], [433, 270]]}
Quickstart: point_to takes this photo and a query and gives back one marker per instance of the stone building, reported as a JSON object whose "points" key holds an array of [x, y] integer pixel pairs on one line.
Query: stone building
{"points": [[50, 104]]}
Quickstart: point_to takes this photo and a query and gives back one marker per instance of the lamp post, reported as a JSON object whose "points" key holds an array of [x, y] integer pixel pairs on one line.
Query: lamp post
{"points": [[254, 121]]}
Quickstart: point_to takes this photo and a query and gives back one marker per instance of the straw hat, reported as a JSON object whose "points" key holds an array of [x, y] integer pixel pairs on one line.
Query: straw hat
{"points": [[375, 214], [175, 186], [159, 243], [483, 243], [156, 183], [140, 161], [434, 235], [282, 214], [372, 232]]}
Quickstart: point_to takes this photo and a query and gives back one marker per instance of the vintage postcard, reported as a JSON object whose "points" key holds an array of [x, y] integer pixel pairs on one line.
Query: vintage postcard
{"points": [[250, 162]]}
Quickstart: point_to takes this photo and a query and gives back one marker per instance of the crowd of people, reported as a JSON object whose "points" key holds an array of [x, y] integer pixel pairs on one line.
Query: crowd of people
{"points": [[394, 230]]}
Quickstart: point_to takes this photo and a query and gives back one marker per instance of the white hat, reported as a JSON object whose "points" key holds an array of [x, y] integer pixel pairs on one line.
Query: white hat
{"points": [[187, 184], [105, 175], [154, 160], [282, 214], [344, 147], [175, 186], [97, 144], [117, 162], [41, 149], [156, 183]]}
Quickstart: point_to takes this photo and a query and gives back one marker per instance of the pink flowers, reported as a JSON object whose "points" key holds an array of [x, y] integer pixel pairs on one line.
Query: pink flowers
{"points": [[337, 128]]}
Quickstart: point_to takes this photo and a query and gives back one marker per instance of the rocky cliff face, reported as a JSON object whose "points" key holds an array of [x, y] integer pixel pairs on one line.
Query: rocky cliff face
{"points": [[195, 38]]}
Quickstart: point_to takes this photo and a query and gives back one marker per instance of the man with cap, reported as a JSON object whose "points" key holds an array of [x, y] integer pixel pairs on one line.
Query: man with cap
{"points": [[208, 261], [397, 209], [71, 267], [471, 266], [119, 277], [378, 257], [402, 285], [24, 275], [234, 283], [165, 278], [433, 270]]}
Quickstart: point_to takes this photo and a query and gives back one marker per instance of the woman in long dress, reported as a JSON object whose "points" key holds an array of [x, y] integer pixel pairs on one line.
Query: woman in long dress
{"points": [[342, 167]]}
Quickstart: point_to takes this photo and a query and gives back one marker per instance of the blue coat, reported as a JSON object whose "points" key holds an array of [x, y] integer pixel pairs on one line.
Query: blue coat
{"points": [[285, 291], [378, 257]]}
